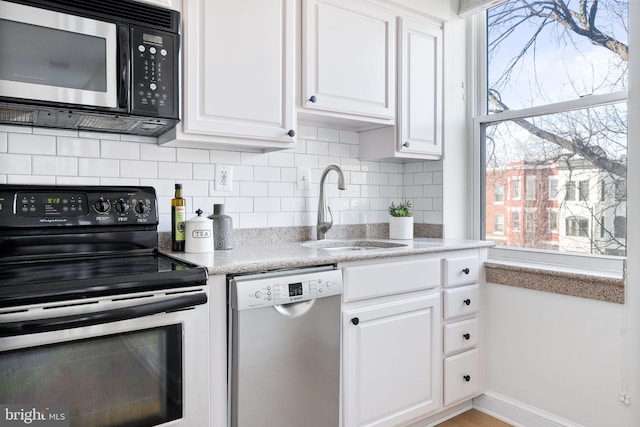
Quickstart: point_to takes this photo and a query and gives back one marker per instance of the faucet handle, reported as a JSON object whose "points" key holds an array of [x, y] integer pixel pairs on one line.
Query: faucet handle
{"points": [[330, 224]]}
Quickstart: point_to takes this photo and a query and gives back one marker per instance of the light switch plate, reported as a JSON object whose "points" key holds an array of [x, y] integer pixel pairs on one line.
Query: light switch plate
{"points": [[224, 178], [303, 179]]}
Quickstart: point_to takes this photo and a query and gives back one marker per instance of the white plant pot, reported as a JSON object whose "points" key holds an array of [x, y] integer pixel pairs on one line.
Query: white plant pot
{"points": [[400, 228]]}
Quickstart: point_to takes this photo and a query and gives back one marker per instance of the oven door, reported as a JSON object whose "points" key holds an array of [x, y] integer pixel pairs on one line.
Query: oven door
{"points": [[60, 57], [142, 371]]}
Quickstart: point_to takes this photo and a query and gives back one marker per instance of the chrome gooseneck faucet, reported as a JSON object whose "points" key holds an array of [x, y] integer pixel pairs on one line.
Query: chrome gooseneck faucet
{"points": [[324, 226]]}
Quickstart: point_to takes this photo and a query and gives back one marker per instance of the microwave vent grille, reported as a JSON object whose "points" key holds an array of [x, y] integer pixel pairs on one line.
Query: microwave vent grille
{"points": [[114, 124], [17, 115], [122, 10]]}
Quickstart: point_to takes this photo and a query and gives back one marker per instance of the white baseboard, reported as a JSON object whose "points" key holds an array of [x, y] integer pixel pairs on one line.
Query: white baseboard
{"points": [[517, 413]]}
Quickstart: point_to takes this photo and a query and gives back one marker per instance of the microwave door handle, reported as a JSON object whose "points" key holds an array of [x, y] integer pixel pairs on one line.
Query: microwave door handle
{"points": [[100, 317], [124, 63]]}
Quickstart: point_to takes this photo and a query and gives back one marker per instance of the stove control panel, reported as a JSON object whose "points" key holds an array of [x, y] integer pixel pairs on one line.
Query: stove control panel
{"points": [[29, 206]]}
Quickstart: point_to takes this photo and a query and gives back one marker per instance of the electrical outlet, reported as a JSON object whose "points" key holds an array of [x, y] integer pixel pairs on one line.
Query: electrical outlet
{"points": [[304, 179], [224, 178]]}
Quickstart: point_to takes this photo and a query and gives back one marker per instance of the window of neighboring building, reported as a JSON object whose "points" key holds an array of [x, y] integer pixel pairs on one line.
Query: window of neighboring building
{"points": [[516, 182], [603, 229], [566, 124], [498, 223], [583, 190], [577, 227], [620, 227], [553, 221], [498, 193], [553, 188], [530, 188], [515, 220], [530, 220]]}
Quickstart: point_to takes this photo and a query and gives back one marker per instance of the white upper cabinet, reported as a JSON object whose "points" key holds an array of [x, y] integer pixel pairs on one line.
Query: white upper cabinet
{"points": [[418, 133], [420, 87], [238, 75], [348, 60]]}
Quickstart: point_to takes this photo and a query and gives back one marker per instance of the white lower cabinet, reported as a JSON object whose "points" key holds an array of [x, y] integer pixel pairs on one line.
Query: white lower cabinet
{"points": [[461, 376], [391, 354]]}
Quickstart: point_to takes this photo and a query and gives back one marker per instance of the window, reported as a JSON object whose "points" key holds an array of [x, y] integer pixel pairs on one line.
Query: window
{"points": [[583, 190], [515, 220], [620, 227], [530, 220], [498, 223], [553, 221], [566, 124], [577, 227], [530, 187], [570, 191], [515, 188], [498, 193], [553, 188]]}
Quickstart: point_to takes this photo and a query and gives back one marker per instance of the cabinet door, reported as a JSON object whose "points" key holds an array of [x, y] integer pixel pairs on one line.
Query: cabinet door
{"points": [[391, 362], [239, 70], [348, 58], [420, 83]]}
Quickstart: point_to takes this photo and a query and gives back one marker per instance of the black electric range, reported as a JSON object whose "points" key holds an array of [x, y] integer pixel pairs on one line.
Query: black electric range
{"points": [[61, 243]]}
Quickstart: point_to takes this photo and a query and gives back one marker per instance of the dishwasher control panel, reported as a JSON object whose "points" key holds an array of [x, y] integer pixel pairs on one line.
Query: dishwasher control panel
{"points": [[270, 289]]}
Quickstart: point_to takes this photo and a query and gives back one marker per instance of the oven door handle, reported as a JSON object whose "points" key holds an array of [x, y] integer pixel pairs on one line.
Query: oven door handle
{"points": [[89, 319]]}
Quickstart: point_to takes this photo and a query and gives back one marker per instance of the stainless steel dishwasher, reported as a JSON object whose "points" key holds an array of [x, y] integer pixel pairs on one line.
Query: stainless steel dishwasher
{"points": [[284, 348]]}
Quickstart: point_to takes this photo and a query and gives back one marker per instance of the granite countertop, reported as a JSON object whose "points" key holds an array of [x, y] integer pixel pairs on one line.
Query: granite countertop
{"points": [[264, 257]]}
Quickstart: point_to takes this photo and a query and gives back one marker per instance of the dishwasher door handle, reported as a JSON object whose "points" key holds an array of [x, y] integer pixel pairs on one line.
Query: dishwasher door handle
{"points": [[295, 309], [99, 317]]}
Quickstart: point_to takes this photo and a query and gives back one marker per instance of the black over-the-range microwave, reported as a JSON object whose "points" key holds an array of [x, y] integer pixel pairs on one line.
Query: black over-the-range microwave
{"points": [[102, 65]]}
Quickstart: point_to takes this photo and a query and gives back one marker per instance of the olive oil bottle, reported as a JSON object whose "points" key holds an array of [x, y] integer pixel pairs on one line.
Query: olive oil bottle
{"points": [[178, 218]]}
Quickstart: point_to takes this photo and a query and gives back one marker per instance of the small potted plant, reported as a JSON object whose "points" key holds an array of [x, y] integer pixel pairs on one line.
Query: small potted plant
{"points": [[401, 221]]}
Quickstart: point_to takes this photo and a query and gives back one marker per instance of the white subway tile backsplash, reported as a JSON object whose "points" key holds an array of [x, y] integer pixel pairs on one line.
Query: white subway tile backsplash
{"points": [[15, 164], [28, 143], [54, 165], [77, 147], [157, 153], [175, 170], [192, 155], [119, 150], [99, 167], [331, 135], [264, 191], [138, 169]]}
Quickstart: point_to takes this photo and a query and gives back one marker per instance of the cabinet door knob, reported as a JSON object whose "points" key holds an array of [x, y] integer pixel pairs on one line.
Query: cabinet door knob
{"points": [[313, 98], [467, 378], [355, 320], [467, 301], [466, 336], [465, 270], [406, 144], [291, 133]]}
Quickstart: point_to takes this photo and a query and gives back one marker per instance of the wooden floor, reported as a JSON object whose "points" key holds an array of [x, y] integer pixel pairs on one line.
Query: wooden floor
{"points": [[473, 418]]}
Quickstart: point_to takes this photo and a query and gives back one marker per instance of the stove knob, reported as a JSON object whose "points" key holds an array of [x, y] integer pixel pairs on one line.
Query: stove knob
{"points": [[102, 206], [142, 208], [122, 206]]}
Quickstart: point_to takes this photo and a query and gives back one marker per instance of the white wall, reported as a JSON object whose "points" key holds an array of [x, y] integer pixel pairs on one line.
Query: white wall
{"points": [[264, 190]]}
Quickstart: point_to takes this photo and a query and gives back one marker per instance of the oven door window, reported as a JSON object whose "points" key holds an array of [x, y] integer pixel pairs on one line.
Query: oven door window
{"points": [[126, 379], [65, 58]]}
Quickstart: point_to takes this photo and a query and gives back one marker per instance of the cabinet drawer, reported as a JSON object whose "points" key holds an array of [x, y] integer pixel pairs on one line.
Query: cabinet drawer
{"points": [[460, 270], [461, 301], [461, 376], [461, 335], [367, 281]]}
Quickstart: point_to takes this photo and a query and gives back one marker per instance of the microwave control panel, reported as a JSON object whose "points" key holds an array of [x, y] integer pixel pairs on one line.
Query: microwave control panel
{"points": [[154, 63]]}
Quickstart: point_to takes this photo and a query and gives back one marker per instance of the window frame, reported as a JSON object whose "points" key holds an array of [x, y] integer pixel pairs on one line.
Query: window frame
{"points": [[602, 264]]}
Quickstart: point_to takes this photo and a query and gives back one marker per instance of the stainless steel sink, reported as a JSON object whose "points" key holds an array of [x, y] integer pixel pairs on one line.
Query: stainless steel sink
{"points": [[351, 245]]}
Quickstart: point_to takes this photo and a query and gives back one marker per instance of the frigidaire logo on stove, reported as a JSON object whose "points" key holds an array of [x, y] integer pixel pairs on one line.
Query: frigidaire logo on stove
{"points": [[32, 415]]}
